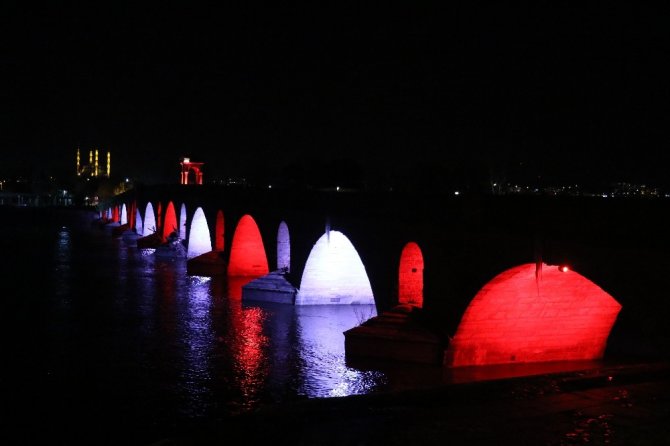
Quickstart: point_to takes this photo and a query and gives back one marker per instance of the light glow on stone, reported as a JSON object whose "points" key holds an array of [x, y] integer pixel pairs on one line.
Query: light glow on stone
{"points": [[283, 248], [124, 214], [247, 252], [199, 241], [149, 220], [182, 222], [170, 223], [410, 276], [139, 227], [218, 232], [521, 317], [334, 274]]}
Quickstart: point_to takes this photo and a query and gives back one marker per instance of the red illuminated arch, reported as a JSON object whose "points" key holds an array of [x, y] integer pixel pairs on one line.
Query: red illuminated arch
{"points": [[159, 217], [515, 317], [115, 213], [218, 232], [410, 276], [131, 215], [170, 222], [247, 253]]}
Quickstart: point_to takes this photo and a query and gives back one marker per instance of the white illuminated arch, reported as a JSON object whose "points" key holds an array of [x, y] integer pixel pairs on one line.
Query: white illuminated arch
{"points": [[283, 248], [334, 274], [124, 214], [149, 220], [199, 241], [138, 223], [182, 222]]}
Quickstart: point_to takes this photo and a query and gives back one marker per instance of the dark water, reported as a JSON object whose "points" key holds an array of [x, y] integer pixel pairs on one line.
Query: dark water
{"points": [[106, 339], [106, 344]]}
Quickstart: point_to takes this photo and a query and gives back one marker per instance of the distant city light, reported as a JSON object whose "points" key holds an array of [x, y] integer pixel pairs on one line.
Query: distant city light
{"points": [[457, 193]]}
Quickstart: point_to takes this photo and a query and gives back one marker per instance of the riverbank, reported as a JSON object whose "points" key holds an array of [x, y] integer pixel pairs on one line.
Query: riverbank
{"points": [[617, 405]]}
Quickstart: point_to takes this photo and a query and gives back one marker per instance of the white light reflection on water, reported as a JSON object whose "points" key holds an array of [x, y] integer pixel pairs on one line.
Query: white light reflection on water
{"points": [[198, 336], [223, 356], [147, 251], [321, 335]]}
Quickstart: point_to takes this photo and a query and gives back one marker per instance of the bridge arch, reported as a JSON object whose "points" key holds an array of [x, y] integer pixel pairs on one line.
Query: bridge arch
{"points": [[531, 314], [170, 221], [410, 276], [219, 232], [283, 248], [182, 222], [334, 274], [199, 241], [124, 214], [149, 220], [247, 251], [139, 226], [131, 214], [159, 217]]}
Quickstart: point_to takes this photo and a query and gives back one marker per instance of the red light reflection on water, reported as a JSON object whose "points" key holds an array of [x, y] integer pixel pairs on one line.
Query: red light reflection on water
{"points": [[252, 350]]}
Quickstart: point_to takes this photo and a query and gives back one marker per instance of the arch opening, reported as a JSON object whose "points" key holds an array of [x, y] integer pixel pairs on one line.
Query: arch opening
{"points": [[410, 276], [531, 314], [199, 241], [170, 222], [182, 222], [218, 232], [149, 220], [139, 227], [334, 274], [283, 248], [124, 214], [247, 252]]}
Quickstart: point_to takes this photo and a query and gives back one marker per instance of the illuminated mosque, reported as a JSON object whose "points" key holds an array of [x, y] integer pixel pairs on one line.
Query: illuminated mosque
{"points": [[92, 169]]}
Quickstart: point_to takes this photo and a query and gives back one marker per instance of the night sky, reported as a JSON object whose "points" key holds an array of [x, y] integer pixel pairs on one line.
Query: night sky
{"points": [[557, 93]]}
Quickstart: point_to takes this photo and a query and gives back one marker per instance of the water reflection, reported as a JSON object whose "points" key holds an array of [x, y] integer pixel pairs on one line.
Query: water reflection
{"points": [[198, 338], [321, 336], [251, 352], [215, 353], [245, 343], [63, 263]]}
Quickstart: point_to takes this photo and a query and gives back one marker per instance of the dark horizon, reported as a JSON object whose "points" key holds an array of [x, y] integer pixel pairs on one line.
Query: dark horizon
{"points": [[552, 93]]}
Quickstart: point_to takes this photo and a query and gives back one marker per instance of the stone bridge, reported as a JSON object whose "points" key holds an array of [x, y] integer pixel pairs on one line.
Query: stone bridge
{"points": [[482, 269]]}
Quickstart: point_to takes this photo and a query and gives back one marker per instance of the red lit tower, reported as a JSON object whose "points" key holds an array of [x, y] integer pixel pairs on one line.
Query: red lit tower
{"points": [[186, 167]]}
